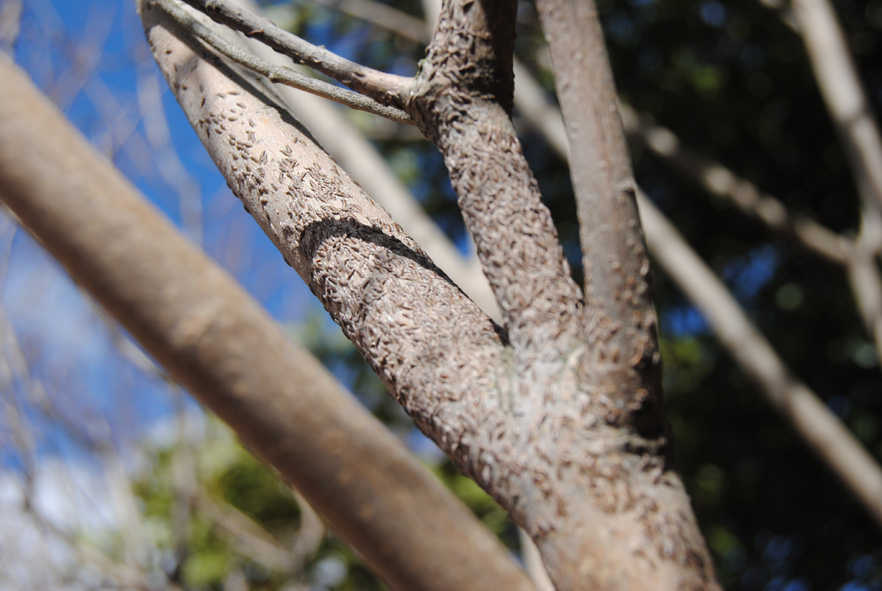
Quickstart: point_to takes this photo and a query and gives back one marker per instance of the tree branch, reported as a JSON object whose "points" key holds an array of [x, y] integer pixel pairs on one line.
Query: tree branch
{"points": [[810, 418], [461, 102], [278, 73], [858, 132], [212, 337], [388, 89], [613, 253], [844, 95], [721, 182], [582, 414]]}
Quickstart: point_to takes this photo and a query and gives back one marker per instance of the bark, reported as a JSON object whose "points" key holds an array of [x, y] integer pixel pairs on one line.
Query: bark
{"points": [[214, 339], [559, 423], [614, 256], [813, 422], [587, 377]]}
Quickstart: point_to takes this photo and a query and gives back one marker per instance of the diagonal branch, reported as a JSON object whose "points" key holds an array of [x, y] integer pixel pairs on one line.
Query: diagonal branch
{"points": [[859, 134], [279, 73], [215, 340], [388, 89], [844, 94], [721, 182], [819, 428]]}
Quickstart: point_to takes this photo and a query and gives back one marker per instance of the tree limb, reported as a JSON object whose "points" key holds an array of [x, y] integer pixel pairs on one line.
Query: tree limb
{"points": [[844, 95], [811, 419], [858, 132], [614, 256], [721, 182], [581, 402], [212, 337], [388, 89], [281, 74]]}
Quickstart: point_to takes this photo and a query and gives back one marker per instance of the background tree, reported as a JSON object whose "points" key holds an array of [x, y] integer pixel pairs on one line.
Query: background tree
{"points": [[789, 552]]}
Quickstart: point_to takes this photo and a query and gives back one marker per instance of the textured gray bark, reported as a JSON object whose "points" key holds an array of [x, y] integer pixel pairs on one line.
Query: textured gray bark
{"points": [[214, 339], [558, 415]]}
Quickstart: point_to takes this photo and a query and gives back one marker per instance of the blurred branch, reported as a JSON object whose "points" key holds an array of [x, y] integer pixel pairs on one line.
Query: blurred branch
{"points": [[310, 535], [844, 95], [254, 541], [381, 15], [245, 535], [866, 285], [81, 57], [810, 418], [723, 183], [281, 74], [167, 162], [215, 340], [858, 132], [10, 24]]}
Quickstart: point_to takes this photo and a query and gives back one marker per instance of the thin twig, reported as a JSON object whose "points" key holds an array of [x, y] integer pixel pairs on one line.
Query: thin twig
{"points": [[388, 89], [843, 94], [809, 416], [721, 182], [858, 131], [381, 15], [281, 74]]}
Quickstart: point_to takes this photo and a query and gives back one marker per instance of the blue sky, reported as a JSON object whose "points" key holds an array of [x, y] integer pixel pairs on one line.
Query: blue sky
{"points": [[91, 57]]}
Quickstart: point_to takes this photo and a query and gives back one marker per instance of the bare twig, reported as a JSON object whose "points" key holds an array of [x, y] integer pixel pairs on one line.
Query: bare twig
{"points": [[10, 24], [858, 132], [388, 89], [281, 74], [866, 285], [168, 164], [246, 535], [810, 418], [381, 15], [725, 184], [844, 95]]}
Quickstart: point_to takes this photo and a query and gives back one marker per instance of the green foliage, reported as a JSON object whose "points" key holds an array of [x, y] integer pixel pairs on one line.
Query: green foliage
{"points": [[203, 553]]}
